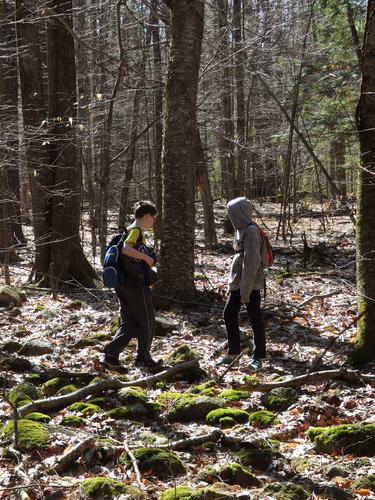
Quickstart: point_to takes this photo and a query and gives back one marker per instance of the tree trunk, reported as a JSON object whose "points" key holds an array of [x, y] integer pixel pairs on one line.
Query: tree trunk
{"points": [[203, 183], [186, 31], [67, 260], [226, 128], [364, 349]]}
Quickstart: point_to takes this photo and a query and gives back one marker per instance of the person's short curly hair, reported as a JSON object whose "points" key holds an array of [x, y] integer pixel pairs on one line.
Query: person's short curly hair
{"points": [[143, 208]]}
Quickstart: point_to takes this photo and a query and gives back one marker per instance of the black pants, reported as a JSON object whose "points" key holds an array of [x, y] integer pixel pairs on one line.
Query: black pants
{"points": [[137, 319], [254, 312]]}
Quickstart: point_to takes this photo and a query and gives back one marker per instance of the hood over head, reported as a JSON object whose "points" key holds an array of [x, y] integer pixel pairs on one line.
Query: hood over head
{"points": [[240, 212]]}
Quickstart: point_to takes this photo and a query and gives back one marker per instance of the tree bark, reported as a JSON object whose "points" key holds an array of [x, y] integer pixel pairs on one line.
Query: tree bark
{"points": [[176, 275], [364, 349]]}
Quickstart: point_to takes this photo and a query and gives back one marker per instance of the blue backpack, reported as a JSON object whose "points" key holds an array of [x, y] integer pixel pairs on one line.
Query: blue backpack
{"points": [[113, 271]]}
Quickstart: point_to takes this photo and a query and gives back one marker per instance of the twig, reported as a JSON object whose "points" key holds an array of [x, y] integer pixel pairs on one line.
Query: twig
{"points": [[102, 386], [311, 299], [134, 464], [184, 444], [230, 366]]}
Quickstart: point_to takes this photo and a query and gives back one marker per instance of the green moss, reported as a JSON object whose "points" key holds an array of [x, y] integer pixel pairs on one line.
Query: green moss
{"points": [[252, 380], [234, 395], [263, 418], [227, 422], [357, 439], [96, 379], [67, 389], [99, 401], [23, 394], [172, 396], [239, 416], [38, 417], [107, 489], [181, 355], [259, 454], [34, 378], [132, 395], [279, 277], [136, 412], [280, 399], [207, 388], [180, 493], [209, 446], [365, 482], [31, 435], [193, 408], [72, 421], [84, 342], [84, 408], [50, 387], [162, 463], [231, 474], [287, 491]]}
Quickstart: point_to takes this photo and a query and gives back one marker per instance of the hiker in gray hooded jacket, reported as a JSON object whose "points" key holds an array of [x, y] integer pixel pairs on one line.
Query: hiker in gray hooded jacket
{"points": [[246, 279]]}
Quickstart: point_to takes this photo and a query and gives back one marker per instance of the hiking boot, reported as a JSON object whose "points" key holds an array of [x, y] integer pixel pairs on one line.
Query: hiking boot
{"points": [[227, 360], [146, 361], [114, 365], [255, 365]]}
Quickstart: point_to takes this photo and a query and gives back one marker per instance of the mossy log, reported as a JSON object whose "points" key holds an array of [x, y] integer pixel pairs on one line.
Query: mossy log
{"points": [[45, 405], [66, 460]]}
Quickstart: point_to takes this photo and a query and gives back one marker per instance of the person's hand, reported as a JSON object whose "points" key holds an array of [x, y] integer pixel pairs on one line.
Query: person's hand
{"points": [[149, 261]]}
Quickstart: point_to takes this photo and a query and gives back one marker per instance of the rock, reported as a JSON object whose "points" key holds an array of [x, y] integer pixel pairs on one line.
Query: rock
{"points": [[180, 355], [356, 439], [291, 491], [84, 408], [231, 474], [336, 471], [217, 416], [10, 346], [220, 491], [280, 399], [9, 296], [35, 347], [162, 463], [72, 421], [179, 493], [38, 417], [364, 482], [31, 435], [15, 364], [108, 489], [164, 326], [23, 394], [132, 395], [137, 412], [193, 407], [258, 454], [91, 340], [51, 387], [67, 389], [206, 389], [263, 418], [331, 492]]}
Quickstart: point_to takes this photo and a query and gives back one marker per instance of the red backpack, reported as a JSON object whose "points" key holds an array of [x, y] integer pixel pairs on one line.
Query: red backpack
{"points": [[267, 252]]}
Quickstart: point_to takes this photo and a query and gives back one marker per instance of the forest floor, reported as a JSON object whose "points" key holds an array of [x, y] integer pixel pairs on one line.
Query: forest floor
{"points": [[310, 316]]}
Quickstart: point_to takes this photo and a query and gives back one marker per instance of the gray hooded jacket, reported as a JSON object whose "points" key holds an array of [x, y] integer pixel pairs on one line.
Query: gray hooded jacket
{"points": [[246, 273]]}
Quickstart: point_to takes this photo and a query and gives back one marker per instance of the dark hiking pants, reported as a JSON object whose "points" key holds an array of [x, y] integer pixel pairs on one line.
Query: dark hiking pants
{"points": [[137, 319], [254, 312]]}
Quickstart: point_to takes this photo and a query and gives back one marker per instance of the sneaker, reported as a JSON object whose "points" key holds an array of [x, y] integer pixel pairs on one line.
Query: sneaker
{"points": [[227, 360], [114, 366], [255, 365], [147, 362]]}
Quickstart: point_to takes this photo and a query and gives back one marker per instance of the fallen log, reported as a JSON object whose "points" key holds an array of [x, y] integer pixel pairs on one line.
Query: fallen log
{"points": [[184, 444], [311, 379], [66, 460], [58, 402]]}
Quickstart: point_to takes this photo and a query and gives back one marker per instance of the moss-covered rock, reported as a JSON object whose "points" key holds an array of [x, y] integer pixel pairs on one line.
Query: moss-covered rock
{"points": [[105, 488], [51, 387], [163, 464], [180, 493], [171, 397], [35, 347], [35, 378], [181, 355], [23, 394], [280, 398], [132, 395], [206, 389], [38, 417], [163, 326], [84, 408], [263, 418], [91, 340], [31, 435], [136, 412], [15, 364], [99, 401], [234, 395], [72, 421], [357, 439], [231, 474], [287, 491], [10, 296], [258, 454], [364, 482], [67, 389], [252, 380], [194, 407], [227, 422], [215, 416], [10, 346]]}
